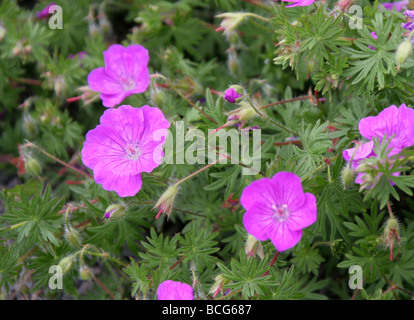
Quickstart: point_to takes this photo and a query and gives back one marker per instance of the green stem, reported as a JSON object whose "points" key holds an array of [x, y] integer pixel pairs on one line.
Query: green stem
{"points": [[253, 15], [14, 226]]}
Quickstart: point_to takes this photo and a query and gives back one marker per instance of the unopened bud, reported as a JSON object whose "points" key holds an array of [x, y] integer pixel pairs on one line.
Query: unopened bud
{"points": [[29, 124], [310, 66], [233, 63], [253, 247], [18, 48], [217, 287], [247, 113], [85, 273], [233, 94], [347, 177], [404, 51], [391, 234], [32, 167], [66, 264], [115, 211], [27, 49], [73, 237], [104, 24], [59, 85], [166, 201], [158, 97], [94, 30], [2, 33]]}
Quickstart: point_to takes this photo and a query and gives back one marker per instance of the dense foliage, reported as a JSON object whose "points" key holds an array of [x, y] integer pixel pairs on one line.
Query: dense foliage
{"points": [[306, 75]]}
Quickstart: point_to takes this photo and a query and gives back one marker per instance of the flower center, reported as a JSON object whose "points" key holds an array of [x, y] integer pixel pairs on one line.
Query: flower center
{"points": [[127, 84], [280, 212], [132, 150]]}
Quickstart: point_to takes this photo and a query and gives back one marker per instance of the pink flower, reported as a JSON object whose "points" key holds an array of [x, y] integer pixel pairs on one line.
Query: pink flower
{"points": [[299, 3], [127, 141], [231, 95], [391, 122], [125, 73], [278, 209], [398, 6], [44, 14], [174, 290]]}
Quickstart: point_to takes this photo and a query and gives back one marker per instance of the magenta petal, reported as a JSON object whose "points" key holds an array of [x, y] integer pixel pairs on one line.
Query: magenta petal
{"points": [[283, 238], [174, 290], [259, 191], [131, 54], [360, 152], [288, 190], [101, 143], [111, 100], [128, 121], [406, 130], [305, 216], [258, 221], [386, 122], [125, 185], [99, 81], [154, 121]]}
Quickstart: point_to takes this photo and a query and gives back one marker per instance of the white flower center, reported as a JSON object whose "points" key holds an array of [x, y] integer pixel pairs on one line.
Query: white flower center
{"points": [[127, 84], [132, 150], [280, 212]]}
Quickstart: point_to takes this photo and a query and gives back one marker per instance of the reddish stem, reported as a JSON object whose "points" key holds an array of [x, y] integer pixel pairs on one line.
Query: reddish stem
{"points": [[271, 263]]}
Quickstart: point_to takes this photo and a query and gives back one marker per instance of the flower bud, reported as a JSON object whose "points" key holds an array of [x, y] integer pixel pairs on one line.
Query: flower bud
{"points": [[217, 287], [104, 24], [231, 21], [166, 201], [32, 167], [29, 124], [18, 48], [247, 114], [404, 51], [115, 211], [347, 177], [253, 247], [27, 49], [158, 97], [233, 63], [391, 234], [310, 66], [2, 33], [85, 273], [233, 94], [59, 85], [66, 264], [93, 30], [72, 235]]}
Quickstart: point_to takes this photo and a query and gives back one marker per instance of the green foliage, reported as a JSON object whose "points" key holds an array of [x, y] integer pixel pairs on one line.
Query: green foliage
{"points": [[307, 77]]}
